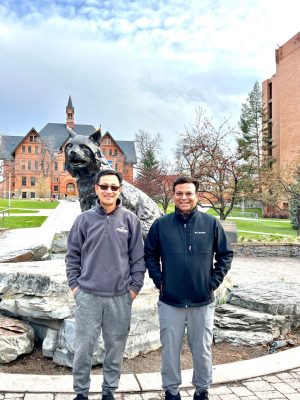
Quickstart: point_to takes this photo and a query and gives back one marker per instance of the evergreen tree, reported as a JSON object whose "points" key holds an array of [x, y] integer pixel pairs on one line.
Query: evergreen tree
{"points": [[254, 143]]}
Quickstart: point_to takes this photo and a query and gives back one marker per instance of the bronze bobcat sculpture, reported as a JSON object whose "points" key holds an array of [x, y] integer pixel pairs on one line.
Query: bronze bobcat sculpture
{"points": [[84, 159]]}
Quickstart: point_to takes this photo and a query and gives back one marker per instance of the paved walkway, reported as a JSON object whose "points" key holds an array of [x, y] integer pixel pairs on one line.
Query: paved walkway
{"points": [[275, 376]]}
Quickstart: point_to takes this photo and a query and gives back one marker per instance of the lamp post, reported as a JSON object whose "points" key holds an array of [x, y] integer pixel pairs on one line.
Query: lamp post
{"points": [[9, 185]]}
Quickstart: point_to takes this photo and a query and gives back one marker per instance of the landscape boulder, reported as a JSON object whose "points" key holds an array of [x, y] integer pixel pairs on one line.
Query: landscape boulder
{"points": [[16, 338]]}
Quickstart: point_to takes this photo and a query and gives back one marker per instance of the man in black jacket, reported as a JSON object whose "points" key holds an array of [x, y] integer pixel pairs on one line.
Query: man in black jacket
{"points": [[187, 255]]}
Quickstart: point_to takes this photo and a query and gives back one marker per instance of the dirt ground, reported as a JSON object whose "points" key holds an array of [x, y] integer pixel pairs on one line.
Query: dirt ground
{"points": [[223, 353]]}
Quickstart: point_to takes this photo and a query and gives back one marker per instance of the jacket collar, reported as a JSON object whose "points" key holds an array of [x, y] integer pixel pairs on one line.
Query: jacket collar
{"points": [[100, 209], [185, 217]]}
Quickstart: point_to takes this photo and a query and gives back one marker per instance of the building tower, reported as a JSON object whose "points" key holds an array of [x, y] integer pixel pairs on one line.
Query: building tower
{"points": [[70, 114]]}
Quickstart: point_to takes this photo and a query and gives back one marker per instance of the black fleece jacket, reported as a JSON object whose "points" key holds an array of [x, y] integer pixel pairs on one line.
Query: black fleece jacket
{"points": [[187, 256]]}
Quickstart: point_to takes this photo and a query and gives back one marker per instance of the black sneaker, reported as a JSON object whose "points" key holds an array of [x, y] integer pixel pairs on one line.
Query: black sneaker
{"points": [[81, 397], [201, 396], [108, 396], [170, 396]]}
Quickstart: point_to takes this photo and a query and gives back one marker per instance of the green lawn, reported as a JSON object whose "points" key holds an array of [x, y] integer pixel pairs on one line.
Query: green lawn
{"points": [[19, 211], [271, 226], [21, 222], [34, 204]]}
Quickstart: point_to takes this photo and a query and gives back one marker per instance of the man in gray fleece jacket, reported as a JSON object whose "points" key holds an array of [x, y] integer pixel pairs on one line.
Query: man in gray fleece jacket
{"points": [[105, 271]]}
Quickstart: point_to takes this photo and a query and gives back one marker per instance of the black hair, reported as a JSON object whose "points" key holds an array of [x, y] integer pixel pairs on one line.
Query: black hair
{"points": [[185, 179], [108, 172]]}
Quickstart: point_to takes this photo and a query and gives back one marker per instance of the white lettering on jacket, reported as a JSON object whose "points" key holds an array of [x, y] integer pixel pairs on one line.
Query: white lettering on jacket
{"points": [[122, 229], [200, 233]]}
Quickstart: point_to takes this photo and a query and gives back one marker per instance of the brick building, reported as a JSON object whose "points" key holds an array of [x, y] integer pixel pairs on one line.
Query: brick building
{"points": [[281, 99], [34, 165]]}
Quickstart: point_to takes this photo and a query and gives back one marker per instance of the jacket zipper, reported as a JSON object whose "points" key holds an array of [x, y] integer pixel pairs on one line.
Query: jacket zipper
{"points": [[185, 246]]}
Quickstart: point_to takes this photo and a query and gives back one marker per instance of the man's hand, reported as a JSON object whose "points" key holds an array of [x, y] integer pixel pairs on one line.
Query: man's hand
{"points": [[74, 290], [132, 294]]}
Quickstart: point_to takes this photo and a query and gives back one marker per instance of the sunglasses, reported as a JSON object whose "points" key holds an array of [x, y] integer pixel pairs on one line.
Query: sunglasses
{"points": [[105, 187]]}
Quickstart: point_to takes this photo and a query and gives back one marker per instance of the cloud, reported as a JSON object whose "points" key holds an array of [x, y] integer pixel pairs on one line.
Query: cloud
{"points": [[135, 64]]}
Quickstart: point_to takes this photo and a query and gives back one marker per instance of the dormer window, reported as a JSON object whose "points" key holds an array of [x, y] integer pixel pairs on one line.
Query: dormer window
{"points": [[33, 139]]}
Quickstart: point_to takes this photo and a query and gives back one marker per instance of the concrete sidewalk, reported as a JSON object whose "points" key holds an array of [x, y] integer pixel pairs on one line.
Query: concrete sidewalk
{"points": [[247, 380], [59, 219]]}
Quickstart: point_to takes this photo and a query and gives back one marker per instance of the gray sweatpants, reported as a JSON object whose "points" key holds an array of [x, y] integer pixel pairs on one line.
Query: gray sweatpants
{"points": [[199, 321], [94, 313]]}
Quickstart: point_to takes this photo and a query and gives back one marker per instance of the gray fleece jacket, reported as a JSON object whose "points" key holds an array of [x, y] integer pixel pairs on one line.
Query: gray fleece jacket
{"points": [[105, 252]]}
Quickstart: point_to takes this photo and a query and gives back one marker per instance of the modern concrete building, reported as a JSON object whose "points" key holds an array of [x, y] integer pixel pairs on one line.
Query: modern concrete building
{"points": [[281, 99]]}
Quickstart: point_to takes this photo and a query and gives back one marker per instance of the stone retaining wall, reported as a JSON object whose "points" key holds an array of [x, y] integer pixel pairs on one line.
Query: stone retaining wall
{"points": [[267, 249]]}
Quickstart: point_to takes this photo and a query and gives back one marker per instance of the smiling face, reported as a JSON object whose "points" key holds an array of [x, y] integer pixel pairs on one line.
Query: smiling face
{"points": [[185, 197], [107, 196]]}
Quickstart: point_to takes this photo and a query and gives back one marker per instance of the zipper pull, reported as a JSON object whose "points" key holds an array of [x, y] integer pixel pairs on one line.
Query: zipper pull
{"points": [[184, 225], [190, 248]]}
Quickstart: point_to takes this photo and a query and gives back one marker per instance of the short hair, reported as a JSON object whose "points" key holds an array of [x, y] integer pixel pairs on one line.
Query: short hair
{"points": [[105, 172], [185, 179]]}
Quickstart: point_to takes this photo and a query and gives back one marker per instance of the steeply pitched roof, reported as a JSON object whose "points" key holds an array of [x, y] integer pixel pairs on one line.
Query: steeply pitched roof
{"points": [[8, 145], [128, 148], [56, 134], [70, 104]]}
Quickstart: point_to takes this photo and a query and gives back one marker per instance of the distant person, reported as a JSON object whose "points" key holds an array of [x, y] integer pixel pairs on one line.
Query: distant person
{"points": [[179, 252], [105, 270]]}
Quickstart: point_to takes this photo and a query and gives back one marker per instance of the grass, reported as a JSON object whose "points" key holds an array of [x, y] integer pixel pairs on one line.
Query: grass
{"points": [[21, 222], [252, 237], [19, 211], [32, 204]]}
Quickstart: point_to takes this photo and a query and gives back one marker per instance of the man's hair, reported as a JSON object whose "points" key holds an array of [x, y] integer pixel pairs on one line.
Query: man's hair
{"points": [[185, 179], [108, 172]]}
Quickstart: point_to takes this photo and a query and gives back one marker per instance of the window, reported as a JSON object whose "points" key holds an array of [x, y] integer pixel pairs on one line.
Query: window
{"points": [[70, 115], [55, 166], [55, 188], [29, 164], [36, 165], [270, 90], [32, 195], [110, 152], [103, 151], [29, 149], [116, 152], [23, 195], [32, 181], [24, 181], [23, 149], [33, 139], [55, 179], [23, 166], [107, 141], [36, 149]]}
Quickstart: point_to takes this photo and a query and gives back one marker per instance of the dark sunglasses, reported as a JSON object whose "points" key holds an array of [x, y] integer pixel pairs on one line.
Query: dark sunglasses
{"points": [[105, 187]]}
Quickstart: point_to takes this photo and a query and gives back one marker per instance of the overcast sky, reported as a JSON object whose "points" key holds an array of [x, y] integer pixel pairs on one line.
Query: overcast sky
{"points": [[129, 65]]}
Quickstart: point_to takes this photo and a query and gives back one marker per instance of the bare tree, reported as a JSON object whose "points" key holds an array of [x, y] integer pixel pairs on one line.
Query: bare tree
{"points": [[205, 153]]}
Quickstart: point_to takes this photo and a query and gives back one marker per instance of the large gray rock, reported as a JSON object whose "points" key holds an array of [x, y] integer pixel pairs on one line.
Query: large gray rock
{"points": [[36, 290], [270, 297], [33, 253], [16, 338], [240, 326]]}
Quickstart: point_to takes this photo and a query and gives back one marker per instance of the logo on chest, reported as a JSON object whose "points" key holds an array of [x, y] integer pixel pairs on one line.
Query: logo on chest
{"points": [[200, 233], [122, 229]]}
